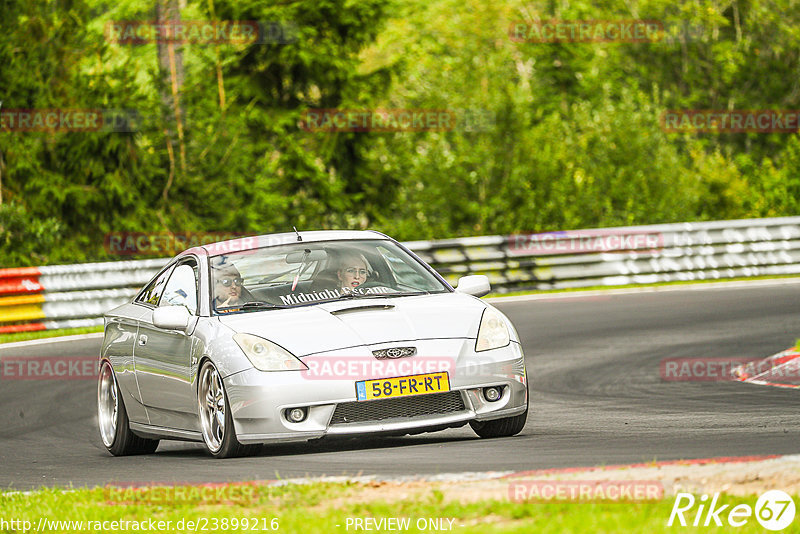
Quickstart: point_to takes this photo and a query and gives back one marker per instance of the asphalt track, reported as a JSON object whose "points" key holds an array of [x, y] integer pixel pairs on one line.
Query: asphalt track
{"points": [[597, 398]]}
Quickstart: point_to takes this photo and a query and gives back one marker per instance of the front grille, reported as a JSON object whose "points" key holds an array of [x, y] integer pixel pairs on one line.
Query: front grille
{"points": [[403, 407]]}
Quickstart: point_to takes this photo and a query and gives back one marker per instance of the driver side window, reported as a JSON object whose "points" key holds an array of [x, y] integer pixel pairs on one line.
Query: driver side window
{"points": [[181, 290]]}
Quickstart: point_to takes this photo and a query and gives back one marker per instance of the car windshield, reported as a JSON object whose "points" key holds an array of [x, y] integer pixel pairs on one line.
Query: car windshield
{"points": [[302, 274]]}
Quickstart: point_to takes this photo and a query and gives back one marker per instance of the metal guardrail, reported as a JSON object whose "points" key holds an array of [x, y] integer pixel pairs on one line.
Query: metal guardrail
{"points": [[68, 296], [623, 255], [65, 296]]}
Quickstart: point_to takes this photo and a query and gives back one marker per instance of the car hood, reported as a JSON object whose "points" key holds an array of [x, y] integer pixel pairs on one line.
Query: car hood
{"points": [[341, 324]]}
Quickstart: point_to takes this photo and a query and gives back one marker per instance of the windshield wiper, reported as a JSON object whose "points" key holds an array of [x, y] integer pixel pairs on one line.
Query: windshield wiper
{"points": [[259, 305], [345, 296], [392, 295], [382, 295]]}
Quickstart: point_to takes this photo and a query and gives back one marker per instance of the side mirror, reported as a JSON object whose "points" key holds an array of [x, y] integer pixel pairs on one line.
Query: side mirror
{"points": [[474, 284], [171, 318]]}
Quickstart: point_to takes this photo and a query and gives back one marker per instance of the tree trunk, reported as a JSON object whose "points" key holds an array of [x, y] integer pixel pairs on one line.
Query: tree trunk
{"points": [[170, 62], [2, 167], [220, 80]]}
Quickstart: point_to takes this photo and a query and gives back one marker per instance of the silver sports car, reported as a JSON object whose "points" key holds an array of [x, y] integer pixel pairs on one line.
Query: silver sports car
{"points": [[291, 337]]}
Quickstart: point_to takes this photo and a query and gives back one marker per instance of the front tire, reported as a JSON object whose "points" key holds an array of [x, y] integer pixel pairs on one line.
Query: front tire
{"points": [[216, 420], [113, 421], [505, 427], [500, 428]]}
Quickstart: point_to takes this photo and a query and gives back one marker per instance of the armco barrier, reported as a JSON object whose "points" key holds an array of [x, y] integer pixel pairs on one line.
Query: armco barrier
{"points": [[68, 296], [65, 296], [622, 255]]}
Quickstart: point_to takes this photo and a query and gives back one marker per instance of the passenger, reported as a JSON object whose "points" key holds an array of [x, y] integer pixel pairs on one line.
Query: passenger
{"points": [[353, 271], [227, 283]]}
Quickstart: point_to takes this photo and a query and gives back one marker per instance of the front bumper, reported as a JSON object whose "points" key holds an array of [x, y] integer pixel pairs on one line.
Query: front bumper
{"points": [[258, 399]]}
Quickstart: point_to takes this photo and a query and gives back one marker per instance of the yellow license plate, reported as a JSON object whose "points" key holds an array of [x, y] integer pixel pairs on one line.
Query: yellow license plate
{"points": [[402, 386]]}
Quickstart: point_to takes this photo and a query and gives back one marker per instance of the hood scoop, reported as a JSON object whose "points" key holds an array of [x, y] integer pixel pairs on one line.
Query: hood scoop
{"points": [[370, 307]]}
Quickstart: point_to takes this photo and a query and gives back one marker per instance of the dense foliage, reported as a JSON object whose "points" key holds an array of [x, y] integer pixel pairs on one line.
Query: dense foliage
{"points": [[565, 135]]}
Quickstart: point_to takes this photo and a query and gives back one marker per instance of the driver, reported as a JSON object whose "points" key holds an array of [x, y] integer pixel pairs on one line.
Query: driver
{"points": [[227, 283]]}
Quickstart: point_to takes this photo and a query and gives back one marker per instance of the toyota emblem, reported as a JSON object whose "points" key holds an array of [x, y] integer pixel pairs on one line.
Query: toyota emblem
{"points": [[394, 353]]}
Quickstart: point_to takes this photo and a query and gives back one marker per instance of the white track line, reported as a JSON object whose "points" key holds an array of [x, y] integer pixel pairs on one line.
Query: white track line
{"points": [[44, 341], [702, 286]]}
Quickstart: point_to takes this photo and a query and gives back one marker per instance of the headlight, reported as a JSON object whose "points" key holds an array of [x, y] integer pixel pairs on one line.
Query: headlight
{"points": [[266, 355], [493, 331]]}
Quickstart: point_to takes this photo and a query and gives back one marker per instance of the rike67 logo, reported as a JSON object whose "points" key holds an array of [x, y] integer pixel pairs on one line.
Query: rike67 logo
{"points": [[774, 510]]}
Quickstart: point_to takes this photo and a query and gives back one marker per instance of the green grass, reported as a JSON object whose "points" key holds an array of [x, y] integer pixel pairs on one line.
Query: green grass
{"points": [[326, 507], [25, 336]]}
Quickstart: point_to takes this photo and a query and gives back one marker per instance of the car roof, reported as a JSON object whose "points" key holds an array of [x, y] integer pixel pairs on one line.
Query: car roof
{"points": [[269, 240]]}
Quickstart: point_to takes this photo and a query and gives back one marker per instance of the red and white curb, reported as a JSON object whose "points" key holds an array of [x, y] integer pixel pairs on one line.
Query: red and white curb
{"points": [[697, 473], [779, 370]]}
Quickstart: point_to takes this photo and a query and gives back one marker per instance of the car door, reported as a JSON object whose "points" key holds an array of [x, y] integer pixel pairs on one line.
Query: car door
{"points": [[119, 341], [164, 364]]}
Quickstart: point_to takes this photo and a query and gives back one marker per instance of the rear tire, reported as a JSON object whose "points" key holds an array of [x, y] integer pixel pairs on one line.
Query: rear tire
{"points": [[112, 418], [216, 420]]}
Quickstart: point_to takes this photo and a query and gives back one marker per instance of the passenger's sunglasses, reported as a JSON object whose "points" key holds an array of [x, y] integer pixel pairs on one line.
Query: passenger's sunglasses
{"points": [[228, 281]]}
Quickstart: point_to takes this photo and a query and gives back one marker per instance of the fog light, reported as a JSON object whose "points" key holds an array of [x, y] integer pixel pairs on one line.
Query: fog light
{"points": [[296, 415], [492, 394]]}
